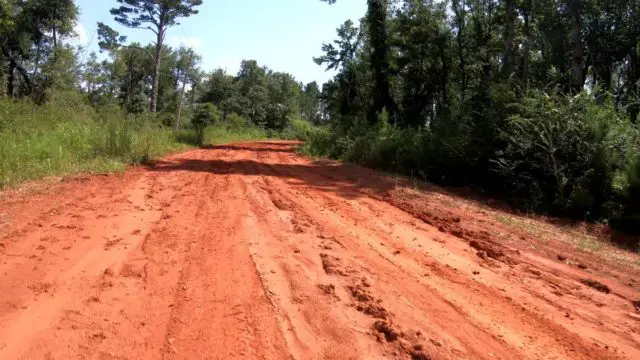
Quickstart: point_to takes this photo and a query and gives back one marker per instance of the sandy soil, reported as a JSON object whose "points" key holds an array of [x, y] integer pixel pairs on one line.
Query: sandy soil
{"points": [[250, 251]]}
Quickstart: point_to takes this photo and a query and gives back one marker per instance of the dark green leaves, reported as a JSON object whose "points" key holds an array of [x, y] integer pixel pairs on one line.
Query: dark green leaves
{"points": [[159, 13]]}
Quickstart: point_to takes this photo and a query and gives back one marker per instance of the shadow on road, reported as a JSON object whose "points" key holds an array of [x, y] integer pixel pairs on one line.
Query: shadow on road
{"points": [[346, 180]]}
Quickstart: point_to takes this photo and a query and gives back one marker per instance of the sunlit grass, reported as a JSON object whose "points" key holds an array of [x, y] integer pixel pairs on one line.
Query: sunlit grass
{"points": [[59, 139]]}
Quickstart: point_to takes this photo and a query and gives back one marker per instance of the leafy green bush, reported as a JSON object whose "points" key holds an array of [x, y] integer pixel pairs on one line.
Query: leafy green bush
{"points": [[630, 187], [234, 128], [382, 146], [203, 116], [563, 152], [565, 155], [298, 129]]}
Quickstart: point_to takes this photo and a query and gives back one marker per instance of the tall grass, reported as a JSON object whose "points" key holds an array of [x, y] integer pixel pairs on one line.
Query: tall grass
{"points": [[234, 129], [68, 136]]}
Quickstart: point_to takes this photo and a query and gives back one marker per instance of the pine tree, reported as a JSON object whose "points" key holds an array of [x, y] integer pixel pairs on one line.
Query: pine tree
{"points": [[157, 16]]}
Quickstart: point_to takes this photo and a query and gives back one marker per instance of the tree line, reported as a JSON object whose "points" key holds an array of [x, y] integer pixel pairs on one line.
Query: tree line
{"points": [[153, 77], [420, 57], [535, 100]]}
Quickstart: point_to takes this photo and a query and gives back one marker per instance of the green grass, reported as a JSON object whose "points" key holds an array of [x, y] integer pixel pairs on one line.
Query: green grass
{"points": [[70, 137], [223, 133], [519, 223], [589, 244]]}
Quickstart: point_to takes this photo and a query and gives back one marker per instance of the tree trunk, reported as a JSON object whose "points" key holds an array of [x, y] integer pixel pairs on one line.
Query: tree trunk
{"points": [[184, 85], [55, 31], [633, 84], [12, 79], [156, 70], [36, 61], [377, 24], [444, 77], [526, 57], [193, 91], [459, 13], [509, 50], [577, 58], [603, 74], [129, 82], [13, 65]]}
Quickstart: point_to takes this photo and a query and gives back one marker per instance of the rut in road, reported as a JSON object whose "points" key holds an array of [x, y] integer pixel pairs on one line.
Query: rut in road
{"points": [[250, 251]]}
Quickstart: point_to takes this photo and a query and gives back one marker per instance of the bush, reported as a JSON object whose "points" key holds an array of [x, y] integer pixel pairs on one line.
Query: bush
{"points": [[298, 129], [235, 128], [565, 155], [629, 186], [562, 154], [203, 116]]}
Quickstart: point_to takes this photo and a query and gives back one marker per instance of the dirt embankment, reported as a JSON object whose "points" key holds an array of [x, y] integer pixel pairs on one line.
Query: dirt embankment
{"points": [[250, 251]]}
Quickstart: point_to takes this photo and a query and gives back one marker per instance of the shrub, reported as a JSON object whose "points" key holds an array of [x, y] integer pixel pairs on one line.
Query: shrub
{"points": [[562, 154], [203, 116], [298, 129], [553, 153]]}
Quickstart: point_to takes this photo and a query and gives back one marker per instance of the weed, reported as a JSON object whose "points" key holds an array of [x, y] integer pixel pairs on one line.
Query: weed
{"points": [[519, 223], [588, 243]]}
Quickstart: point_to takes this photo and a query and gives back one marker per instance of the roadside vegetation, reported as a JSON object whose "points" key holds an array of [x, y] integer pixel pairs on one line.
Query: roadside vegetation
{"points": [[64, 110], [66, 137], [534, 102]]}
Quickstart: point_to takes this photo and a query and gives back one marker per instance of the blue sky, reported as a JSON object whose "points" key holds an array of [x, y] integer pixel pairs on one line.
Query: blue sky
{"points": [[282, 34]]}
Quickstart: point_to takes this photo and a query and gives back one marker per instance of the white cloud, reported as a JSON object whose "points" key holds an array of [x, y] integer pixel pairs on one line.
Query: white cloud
{"points": [[187, 41], [81, 36]]}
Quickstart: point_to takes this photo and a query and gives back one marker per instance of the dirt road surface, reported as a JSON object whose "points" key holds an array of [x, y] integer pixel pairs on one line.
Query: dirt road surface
{"points": [[250, 251]]}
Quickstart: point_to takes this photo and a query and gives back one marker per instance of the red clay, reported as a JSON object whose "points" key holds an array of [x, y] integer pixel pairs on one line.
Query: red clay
{"points": [[249, 251]]}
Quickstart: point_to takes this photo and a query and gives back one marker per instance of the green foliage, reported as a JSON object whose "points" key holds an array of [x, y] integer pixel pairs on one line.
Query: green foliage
{"points": [[143, 13], [531, 101], [563, 153], [265, 97], [237, 130], [298, 129], [66, 136], [203, 116], [630, 186], [156, 16]]}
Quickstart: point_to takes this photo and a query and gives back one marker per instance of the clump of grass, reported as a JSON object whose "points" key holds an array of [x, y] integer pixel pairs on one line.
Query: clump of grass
{"points": [[589, 244], [521, 224]]}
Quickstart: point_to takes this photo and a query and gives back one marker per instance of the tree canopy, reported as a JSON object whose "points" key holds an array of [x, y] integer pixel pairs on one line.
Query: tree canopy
{"points": [[537, 99], [156, 16]]}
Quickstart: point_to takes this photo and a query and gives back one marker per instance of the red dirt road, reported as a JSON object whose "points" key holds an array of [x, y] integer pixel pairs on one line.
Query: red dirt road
{"points": [[250, 251]]}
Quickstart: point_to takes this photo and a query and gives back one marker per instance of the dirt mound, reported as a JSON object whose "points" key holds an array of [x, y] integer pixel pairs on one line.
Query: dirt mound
{"points": [[486, 250], [383, 327], [331, 265], [366, 303]]}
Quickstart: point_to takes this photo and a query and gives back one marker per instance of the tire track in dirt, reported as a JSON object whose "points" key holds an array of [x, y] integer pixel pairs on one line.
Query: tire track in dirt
{"points": [[249, 251], [535, 321], [224, 313]]}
